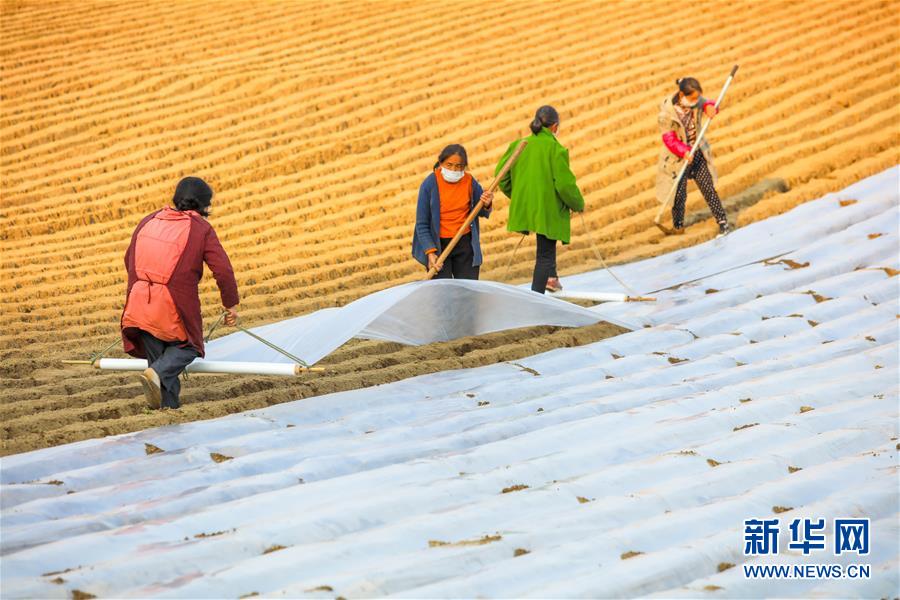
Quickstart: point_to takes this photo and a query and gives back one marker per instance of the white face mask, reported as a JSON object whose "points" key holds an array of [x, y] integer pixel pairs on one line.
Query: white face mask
{"points": [[451, 176], [687, 103]]}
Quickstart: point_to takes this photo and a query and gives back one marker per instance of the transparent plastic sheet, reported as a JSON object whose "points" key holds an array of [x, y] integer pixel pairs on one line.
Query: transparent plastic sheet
{"points": [[612, 439], [415, 313]]}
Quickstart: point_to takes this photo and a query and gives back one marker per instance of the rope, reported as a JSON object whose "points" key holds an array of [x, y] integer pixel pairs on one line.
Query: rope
{"points": [[282, 351], [98, 355], [297, 360], [511, 258], [600, 257], [213, 328]]}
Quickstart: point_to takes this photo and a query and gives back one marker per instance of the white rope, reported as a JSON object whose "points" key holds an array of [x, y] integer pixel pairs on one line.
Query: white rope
{"points": [[509, 264], [590, 238]]}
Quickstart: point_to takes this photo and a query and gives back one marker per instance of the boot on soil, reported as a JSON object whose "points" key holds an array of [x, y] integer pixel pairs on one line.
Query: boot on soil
{"points": [[152, 391], [553, 285], [724, 229]]}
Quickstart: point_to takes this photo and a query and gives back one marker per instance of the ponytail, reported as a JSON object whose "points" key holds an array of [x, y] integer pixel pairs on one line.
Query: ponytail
{"points": [[546, 116]]}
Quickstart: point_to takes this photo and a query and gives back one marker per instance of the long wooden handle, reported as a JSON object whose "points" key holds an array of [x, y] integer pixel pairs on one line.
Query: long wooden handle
{"points": [[477, 209], [696, 145]]}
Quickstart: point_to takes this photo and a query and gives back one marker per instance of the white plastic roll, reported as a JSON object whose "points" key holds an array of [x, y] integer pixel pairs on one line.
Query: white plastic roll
{"points": [[205, 366]]}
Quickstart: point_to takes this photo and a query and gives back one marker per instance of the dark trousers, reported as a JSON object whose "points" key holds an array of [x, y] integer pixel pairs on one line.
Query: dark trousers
{"points": [[459, 264], [168, 359], [698, 170], [544, 263]]}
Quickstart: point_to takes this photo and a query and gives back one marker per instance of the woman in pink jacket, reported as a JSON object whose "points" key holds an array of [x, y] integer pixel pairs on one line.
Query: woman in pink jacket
{"points": [[680, 119], [161, 321]]}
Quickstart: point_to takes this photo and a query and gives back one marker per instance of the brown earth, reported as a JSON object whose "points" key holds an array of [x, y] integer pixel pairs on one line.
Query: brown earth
{"points": [[315, 124], [52, 406]]}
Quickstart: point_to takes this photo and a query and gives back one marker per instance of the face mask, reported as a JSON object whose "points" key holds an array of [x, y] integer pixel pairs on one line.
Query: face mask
{"points": [[452, 176], [686, 103]]}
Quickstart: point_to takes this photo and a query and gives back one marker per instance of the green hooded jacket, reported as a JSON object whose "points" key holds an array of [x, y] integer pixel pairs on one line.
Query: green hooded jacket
{"points": [[541, 187]]}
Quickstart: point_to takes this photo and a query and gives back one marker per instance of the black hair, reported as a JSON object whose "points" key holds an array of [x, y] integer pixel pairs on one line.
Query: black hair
{"points": [[192, 193], [687, 86], [546, 116], [450, 151]]}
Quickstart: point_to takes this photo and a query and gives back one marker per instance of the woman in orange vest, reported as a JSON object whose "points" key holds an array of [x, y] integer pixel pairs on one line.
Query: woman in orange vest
{"points": [[446, 198], [161, 321]]}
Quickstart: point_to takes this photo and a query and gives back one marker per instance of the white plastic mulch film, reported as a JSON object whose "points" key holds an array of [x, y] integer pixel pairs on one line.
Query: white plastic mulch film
{"points": [[627, 467], [415, 313]]}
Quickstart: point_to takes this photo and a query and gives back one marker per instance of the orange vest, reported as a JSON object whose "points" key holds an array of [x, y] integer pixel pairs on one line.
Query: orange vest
{"points": [[158, 248]]}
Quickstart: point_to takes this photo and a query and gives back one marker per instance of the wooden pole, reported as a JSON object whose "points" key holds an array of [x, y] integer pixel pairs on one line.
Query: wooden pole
{"points": [[477, 209], [696, 145]]}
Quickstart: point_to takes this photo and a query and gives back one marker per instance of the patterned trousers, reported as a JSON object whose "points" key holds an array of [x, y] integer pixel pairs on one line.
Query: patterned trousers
{"points": [[699, 172]]}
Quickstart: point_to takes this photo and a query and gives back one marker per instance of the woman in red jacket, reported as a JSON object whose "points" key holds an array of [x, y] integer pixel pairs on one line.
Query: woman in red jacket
{"points": [[679, 121], [161, 321]]}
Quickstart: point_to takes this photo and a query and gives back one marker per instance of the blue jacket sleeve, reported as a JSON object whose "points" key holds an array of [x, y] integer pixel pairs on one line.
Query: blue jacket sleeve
{"points": [[423, 217]]}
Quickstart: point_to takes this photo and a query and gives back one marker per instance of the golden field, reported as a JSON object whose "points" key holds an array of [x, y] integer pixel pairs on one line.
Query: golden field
{"points": [[315, 124]]}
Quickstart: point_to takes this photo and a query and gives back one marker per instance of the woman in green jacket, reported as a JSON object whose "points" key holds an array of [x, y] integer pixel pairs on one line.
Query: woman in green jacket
{"points": [[542, 191]]}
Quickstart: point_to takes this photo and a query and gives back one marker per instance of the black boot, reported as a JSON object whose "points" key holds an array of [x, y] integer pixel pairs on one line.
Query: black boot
{"points": [[724, 229]]}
